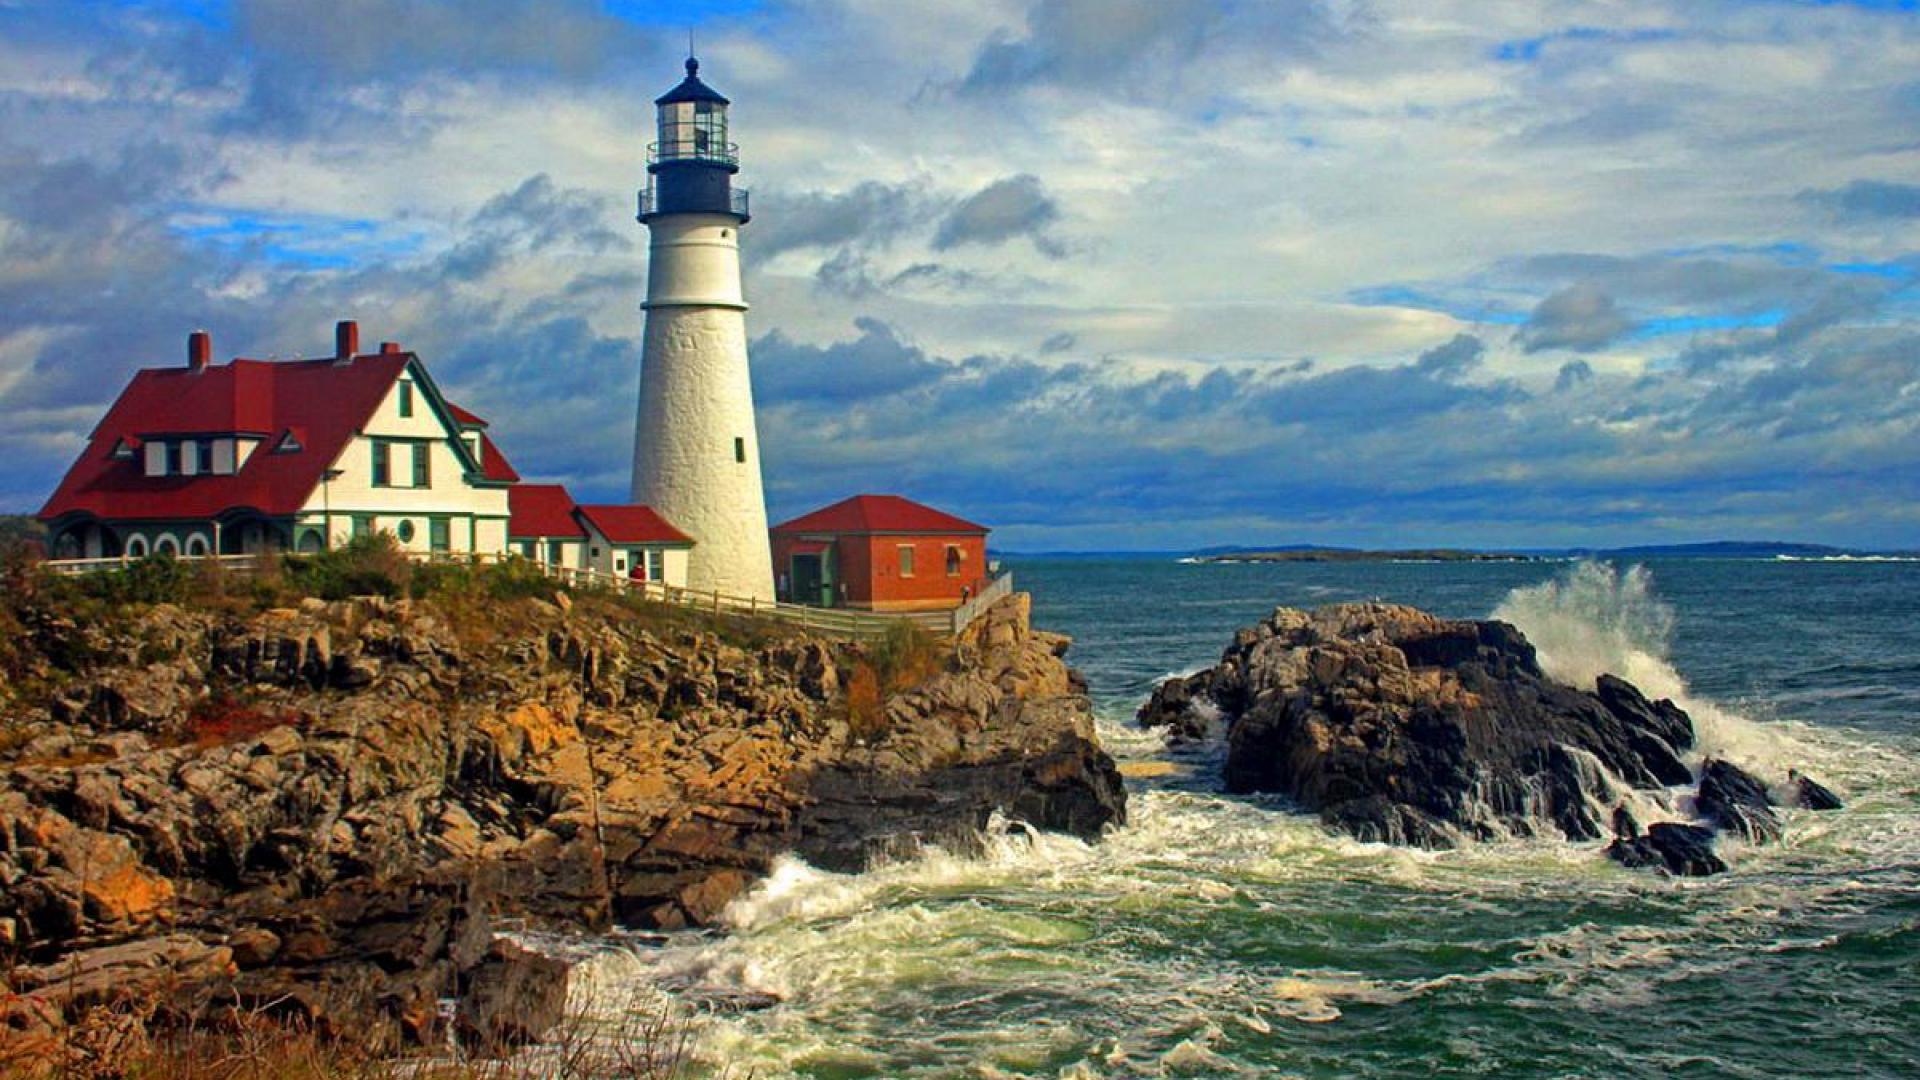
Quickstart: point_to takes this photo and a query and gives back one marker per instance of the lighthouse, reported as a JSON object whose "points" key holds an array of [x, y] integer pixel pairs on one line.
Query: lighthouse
{"points": [[696, 455]]}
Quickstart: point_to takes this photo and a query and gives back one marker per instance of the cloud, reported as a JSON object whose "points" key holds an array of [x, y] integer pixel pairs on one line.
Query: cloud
{"points": [[1007, 208], [1089, 41], [875, 364], [1125, 46], [1573, 374], [1573, 352], [1579, 317], [1868, 201], [870, 213]]}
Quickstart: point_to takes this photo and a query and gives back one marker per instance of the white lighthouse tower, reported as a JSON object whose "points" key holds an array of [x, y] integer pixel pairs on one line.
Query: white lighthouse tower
{"points": [[696, 455]]}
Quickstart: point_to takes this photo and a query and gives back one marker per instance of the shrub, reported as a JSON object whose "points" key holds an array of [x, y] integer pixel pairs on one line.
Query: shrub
{"points": [[903, 659], [365, 566], [155, 579]]}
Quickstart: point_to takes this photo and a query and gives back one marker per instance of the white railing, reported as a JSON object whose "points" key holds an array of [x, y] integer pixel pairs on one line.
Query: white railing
{"points": [[121, 562], [839, 622], [975, 606]]}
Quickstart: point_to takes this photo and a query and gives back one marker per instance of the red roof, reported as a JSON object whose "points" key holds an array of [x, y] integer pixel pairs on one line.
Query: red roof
{"points": [[879, 514], [465, 418], [493, 464], [325, 401], [541, 510], [633, 525]]}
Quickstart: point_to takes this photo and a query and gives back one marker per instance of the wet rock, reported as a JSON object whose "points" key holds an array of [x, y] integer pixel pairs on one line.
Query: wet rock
{"points": [[1679, 849], [1180, 705], [1810, 794], [1397, 725], [1732, 799], [513, 996]]}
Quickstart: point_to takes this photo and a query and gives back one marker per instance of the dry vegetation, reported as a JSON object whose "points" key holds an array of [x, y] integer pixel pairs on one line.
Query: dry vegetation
{"points": [[126, 1042]]}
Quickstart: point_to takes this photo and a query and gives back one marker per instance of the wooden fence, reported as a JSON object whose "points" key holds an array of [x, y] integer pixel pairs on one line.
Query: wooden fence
{"points": [[834, 622]]}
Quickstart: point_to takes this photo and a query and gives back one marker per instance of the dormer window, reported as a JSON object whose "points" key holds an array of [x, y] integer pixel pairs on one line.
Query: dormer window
{"points": [[203, 456], [289, 444], [173, 458], [122, 450]]}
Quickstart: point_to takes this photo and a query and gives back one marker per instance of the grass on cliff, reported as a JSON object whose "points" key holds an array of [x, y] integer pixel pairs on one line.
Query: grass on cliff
{"points": [[902, 660], [481, 601]]}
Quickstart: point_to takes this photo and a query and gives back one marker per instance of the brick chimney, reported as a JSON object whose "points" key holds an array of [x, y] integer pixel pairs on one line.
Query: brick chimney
{"points": [[199, 350], [389, 348], [346, 340]]}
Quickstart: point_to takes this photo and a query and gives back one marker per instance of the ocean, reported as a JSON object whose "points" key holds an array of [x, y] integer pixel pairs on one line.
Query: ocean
{"points": [[1227, 936]]}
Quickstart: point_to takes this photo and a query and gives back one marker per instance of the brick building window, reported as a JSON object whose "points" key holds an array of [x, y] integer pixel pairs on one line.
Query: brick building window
{"points": [[906, 560]]}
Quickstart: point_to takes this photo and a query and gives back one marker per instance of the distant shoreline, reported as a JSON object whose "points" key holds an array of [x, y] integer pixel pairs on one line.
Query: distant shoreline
{"points": [[1321, 555]]}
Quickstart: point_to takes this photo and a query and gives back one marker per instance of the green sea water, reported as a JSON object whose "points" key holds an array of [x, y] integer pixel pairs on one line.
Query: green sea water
{"points": [[1224, 936]]}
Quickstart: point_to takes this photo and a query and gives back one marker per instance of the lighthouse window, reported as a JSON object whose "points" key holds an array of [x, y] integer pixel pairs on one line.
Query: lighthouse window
{"points": [[740, 451]]}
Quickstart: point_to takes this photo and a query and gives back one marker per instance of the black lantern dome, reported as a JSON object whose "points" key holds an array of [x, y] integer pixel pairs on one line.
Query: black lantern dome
{"points": [[692, 163]]}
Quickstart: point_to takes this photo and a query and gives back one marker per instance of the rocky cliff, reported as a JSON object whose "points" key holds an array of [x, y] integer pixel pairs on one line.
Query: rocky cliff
{"points": [[330, 808], [1398, 726]]}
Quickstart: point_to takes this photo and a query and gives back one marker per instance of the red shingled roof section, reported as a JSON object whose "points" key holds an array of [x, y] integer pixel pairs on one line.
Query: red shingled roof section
{"points": [[465, 418], [541, 510], [494, 464], [327, 402], [633, 525], [879, 514]]}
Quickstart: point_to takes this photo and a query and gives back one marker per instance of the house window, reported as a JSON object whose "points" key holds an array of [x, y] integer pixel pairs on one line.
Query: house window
{"points": [[422, 470], [203, 456], [404, 531], [656, 565], [122, 450], [173, 459], [556, 552], [906, 560], [954, 558], [382, 464], [740, 450], [406, 398], [439, 534], [473, 446], [362, 526]]}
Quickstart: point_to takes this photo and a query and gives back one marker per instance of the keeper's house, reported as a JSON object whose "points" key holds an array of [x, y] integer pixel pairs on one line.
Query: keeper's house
{"points": [[303, 455], [882, 553]]}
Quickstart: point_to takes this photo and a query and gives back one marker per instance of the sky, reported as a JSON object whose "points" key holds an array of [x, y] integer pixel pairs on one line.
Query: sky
{"points": [[1101, 274]]}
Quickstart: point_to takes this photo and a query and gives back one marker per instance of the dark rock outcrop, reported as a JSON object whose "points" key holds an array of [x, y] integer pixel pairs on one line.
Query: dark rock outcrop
{"points": [[1811, 794], [328, 810], [1733, 800], [1399, 726], [1679, 849]]}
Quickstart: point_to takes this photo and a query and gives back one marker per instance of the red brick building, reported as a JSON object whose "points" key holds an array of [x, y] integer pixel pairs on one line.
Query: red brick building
{"points": [[881, 553]]}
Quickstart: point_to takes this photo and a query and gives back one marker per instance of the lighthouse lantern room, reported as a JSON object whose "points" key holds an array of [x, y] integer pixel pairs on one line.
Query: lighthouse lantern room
{"points": [[690, 168]]}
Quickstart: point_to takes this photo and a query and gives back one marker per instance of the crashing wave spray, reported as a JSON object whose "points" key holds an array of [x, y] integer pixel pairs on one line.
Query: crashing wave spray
{"points": [[1595, 619]]}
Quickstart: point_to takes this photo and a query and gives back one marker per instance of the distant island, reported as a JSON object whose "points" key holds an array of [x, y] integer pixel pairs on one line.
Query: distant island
{"points": [[1350, 555]]}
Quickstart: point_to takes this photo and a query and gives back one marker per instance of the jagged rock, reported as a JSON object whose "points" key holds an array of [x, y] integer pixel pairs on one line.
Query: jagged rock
{"points": [[513, 996], [377, 791], [1679, 849], [1397, 725], [1180, 705], [1810, 794], [1732, 799]]}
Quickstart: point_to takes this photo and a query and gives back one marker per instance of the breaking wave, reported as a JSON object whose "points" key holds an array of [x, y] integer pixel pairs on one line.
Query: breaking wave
{"points": [[1594, 619]]}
